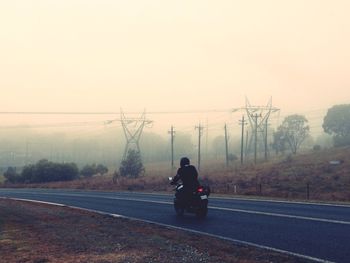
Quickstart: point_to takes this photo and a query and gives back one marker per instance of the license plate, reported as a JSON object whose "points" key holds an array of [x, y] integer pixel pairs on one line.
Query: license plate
{"points": [[204, 197]]}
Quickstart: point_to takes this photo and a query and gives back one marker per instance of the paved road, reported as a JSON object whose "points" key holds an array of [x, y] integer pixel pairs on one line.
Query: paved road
{"points": [[313, 230]]}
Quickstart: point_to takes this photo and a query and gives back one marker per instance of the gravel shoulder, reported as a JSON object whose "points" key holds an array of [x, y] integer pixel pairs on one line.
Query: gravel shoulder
{"points": [[38, 233]]}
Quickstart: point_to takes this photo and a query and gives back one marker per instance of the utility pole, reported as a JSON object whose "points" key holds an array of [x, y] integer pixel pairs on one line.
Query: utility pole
{"points": [[200, 129], [226, 145], [255, 117], [246, 142], [243, 123], [172, 134], [266, 125], [27, 146]]}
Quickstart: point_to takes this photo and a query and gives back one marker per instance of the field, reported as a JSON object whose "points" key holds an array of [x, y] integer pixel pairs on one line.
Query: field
{"points": [[311, 175], [40, 233]]}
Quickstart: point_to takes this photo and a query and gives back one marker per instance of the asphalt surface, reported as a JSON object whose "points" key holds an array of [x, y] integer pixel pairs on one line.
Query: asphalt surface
{"points": [[313, 230]]}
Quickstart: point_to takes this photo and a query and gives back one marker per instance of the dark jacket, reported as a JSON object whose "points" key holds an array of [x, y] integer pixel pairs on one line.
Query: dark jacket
{"points": [[189, 176]]}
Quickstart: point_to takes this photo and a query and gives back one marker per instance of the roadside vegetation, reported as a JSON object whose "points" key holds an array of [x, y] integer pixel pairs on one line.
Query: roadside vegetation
{"points": [[316, 175], [45, 171]]}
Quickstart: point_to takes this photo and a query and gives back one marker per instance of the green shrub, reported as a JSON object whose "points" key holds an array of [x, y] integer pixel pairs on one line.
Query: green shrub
{"points": [[44, 171], [88, 170], [91, 169], [132, 166]]}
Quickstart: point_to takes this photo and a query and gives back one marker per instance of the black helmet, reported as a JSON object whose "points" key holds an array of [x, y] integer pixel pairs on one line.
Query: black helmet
{"points": [[184, 161]]}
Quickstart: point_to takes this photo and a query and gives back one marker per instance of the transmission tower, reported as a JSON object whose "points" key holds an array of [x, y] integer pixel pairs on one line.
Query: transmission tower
{"points": [[258, 118], [133, 128]]}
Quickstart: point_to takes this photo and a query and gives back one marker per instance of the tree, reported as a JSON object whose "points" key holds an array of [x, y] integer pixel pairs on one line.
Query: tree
{"points": [[67, 171], [337, 123], [132, 166], [91, 169], [27, 173], [279, 141], [88, 170], [294, 130], [11, 175]]}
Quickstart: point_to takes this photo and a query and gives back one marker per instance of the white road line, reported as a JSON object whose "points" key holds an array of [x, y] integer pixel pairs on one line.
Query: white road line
{"points": [[282, 215], [236, 241]]}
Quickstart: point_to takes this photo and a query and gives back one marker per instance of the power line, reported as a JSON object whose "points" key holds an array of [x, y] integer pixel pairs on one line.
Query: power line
{"points": [[55, 125], [110, 112]]}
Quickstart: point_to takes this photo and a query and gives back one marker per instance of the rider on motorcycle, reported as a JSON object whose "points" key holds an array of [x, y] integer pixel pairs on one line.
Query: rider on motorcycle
{"points": [[188, 174]]}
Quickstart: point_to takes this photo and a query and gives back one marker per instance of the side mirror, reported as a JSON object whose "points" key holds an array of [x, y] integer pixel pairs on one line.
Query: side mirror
{"points": [[170, 178]]}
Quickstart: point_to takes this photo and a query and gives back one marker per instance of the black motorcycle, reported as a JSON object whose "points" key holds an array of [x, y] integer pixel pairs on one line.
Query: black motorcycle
{"points": [[195, 202]]}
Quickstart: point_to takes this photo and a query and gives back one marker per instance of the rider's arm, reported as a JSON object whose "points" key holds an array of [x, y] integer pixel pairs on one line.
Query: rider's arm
{"points": [[194, 172], [176, 177]]}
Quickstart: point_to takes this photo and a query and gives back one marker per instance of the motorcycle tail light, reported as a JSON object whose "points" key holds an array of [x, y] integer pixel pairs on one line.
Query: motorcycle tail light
{"points": [[200, 189]]}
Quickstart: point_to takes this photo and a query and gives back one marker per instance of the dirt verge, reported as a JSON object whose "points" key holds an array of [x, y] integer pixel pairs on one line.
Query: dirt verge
{"points": [[40, 233]]}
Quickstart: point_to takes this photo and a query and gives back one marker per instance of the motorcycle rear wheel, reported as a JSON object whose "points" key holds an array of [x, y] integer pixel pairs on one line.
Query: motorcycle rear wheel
{"points": [[202, 212]]}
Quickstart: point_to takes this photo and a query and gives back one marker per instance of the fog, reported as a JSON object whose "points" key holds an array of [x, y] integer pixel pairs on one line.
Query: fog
{"points": [[185, 64], [86, 139]]}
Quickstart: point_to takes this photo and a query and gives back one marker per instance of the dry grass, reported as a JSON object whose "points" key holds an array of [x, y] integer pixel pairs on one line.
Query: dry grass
{"points": [[38, 233], [288, 177], [285, 177]]}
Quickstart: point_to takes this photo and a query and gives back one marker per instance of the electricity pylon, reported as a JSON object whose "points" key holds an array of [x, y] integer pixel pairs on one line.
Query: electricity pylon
{"points": [[133, 128], [258, 118]]}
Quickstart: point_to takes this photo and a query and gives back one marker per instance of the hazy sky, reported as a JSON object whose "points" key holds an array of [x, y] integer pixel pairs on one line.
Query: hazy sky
{"points": [[103, 55]]}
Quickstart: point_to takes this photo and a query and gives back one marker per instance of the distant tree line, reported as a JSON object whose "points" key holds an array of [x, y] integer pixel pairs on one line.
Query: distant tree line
{"points": [[294, 130], [46, 171]]}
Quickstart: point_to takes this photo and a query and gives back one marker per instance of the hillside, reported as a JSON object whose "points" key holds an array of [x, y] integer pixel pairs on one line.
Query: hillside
{"points": [[321, 175]]}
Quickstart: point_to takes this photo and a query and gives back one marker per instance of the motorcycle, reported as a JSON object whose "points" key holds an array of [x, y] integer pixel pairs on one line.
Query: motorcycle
{"points": [[196, 203]]}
